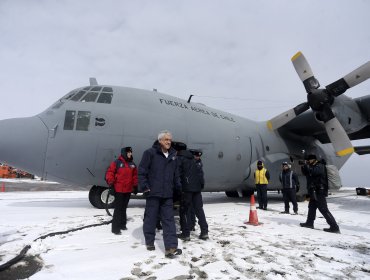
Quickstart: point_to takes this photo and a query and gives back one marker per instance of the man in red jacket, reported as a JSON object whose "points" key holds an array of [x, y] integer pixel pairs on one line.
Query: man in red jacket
{"points": [[122, 174]]}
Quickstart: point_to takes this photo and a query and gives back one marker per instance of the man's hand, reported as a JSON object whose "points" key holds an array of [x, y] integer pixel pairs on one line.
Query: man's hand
{"points": [[146, 192], [111, 190]]}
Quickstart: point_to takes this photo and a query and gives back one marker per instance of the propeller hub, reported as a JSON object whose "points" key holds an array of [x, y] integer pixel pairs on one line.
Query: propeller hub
{"points": [[318, 98]]}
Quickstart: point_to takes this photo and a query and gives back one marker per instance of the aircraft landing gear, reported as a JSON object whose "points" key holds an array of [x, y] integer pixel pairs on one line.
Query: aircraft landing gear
{"points": [[232, 194], [248, 192], [98, 197], [244, 193]]}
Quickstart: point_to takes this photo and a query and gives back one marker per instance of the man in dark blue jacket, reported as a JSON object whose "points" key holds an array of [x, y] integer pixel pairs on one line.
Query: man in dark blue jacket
{"points": [[192, 181], [317, 181], [158, 176], [290, 183]]}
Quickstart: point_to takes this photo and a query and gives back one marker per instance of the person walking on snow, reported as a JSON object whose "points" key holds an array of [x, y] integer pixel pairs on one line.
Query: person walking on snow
{"points": [[158, 177], [317, 186]]}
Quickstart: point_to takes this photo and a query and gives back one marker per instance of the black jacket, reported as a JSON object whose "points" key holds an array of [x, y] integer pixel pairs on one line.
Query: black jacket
{"points": [[157, 173], [285, 177], [191, 172], [316, 176]]}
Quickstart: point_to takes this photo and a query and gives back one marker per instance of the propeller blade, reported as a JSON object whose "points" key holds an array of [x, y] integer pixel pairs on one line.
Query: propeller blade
{"points": [[338, 137], [287, 116], [304, 72], [352, 79]]}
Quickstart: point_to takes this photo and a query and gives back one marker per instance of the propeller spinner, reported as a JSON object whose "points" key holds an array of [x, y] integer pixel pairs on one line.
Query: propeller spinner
{"points": [[320, 101]]}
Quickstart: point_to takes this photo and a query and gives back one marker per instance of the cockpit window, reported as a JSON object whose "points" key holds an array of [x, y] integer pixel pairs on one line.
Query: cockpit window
{"points": [[95, 89], [105, 97], [69, 120], [69, 95], [107, 89], [83, 120], [90, 96], [78, 95]]}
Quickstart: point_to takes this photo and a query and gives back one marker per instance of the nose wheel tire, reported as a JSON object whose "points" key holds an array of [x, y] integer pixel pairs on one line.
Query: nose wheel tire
{"points": [[98, 197]]}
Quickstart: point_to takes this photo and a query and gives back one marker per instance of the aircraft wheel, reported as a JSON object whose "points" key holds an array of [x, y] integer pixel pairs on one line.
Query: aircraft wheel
{"points": [[98, 196], [232, 194], [248, 192]]}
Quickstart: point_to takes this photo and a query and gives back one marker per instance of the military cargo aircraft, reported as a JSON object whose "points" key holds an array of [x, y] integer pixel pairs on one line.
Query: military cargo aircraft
{"points": [[76, 138]]}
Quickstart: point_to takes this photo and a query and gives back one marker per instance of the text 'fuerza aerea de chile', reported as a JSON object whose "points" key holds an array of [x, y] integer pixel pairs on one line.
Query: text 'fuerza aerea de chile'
{"points": [[195, 109]]}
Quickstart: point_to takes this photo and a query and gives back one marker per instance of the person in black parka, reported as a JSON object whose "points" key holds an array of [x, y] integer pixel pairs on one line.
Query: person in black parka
{"points": [[192, 181], [317, 183], [158, 177], [290, 183]]}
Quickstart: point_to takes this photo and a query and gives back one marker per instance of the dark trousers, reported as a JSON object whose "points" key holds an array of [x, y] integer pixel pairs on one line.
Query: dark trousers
{"points": [[183, 218], [262, 196], [192, 201], [164, 208], [289, 195], [193, 220], [320, 203], [120, 211]]}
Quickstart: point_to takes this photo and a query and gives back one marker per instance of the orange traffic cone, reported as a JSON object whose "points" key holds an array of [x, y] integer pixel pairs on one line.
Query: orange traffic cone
{"points": [[253, 219]]}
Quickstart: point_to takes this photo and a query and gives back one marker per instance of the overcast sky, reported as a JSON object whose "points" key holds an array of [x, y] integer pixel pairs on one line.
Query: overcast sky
{"points": [[236, 52]]}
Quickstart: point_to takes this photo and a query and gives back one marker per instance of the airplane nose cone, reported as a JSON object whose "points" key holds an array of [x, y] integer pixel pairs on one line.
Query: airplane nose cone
{"points": [[23, 143]]}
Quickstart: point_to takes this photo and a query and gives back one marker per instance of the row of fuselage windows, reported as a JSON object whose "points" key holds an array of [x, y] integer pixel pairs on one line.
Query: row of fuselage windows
{"points": [[93, 94], [80, 119]]}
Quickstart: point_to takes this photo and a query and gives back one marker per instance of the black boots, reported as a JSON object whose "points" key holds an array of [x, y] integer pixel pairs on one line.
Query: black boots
{"points": [[332, 229], [307, 225], [172, 253], [183, 237], [203, 235]]}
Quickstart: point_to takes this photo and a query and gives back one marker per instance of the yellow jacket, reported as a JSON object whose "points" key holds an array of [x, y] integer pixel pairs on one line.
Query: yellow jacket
{"points": [[261, 176]]}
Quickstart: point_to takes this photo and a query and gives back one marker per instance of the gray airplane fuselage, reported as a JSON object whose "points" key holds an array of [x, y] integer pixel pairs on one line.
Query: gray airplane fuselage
{"points": [[75, 141]]}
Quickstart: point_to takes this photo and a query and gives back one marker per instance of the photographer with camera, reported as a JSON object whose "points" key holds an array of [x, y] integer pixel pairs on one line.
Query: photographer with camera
{"points": [[317, 183]]}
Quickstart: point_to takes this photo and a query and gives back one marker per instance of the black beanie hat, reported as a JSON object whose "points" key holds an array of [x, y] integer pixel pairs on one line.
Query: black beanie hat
{"points": [[125, 150], [178, 146], [259, 162], [311, 157]]}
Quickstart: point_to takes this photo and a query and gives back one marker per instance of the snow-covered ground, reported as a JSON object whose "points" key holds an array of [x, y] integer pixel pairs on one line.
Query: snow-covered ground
{"points": [[276, 249]]}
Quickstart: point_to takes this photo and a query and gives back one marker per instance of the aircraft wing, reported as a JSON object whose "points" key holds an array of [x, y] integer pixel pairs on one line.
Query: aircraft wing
{"points": [[362, 150]]}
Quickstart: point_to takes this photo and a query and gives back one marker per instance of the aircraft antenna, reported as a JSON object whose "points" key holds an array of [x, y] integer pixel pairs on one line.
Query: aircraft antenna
{"points": [[191, 95], [93, 82]]}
